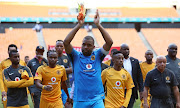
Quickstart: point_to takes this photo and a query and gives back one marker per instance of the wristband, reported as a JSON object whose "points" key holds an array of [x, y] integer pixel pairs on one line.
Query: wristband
{"points": [[43, 86]]}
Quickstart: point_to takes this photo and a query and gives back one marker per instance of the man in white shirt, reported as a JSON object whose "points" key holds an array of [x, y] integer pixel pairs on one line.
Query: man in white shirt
{"points": [[132, 66]]}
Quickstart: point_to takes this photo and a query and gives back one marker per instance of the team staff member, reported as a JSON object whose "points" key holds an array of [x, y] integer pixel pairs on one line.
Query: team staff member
{"points": [[173, 64], [116, 79], [132, 66], [109, 62], [88, 91], [16, 79], [33, 64], [161, 82], [5, 64], [50, 78], [147, 66], [63, 60]]}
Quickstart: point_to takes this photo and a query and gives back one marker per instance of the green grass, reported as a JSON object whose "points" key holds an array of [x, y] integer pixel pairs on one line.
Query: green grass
{"points": [[136, 104]]}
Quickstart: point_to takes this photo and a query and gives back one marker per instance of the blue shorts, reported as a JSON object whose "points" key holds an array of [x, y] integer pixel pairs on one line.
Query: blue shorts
{"points": [[64, 96], [89, 104]]}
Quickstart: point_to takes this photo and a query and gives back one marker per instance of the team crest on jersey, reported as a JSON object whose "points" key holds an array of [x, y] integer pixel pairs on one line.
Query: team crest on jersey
{"points": [[93, 57], [118, 83], [53, 79], [65, 60], [89, 66], [124, 76], [167, 78], [58, 72], [20, 71], [17, 79], [44, 63]]}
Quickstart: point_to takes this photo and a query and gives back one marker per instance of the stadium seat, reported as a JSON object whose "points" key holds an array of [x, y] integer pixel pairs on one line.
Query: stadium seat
{"points": [[160, 38], [25, 39], [125, 35], [52, 35]]}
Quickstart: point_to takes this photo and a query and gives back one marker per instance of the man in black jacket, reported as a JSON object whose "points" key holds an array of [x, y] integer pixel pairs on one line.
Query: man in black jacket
{"points": [[132, 66]]}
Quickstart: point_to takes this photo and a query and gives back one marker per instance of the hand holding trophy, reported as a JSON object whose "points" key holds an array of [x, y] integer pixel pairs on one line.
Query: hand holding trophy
{"points": [[81, 15]]}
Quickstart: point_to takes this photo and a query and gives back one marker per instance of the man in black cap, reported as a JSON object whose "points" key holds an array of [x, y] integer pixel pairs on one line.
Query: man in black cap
{"points": [[33, 64]]}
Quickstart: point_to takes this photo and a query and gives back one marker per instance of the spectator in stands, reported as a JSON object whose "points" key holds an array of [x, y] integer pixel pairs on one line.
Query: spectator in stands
{"points": [[38, 27], [33, 64], [26, 59], [64, 60], [109, 62], [173, 64], [132, 66], [5, 64], [147, 66]]}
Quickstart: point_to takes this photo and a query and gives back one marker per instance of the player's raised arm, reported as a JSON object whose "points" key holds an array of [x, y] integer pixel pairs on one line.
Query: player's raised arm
{"points": [[67, 41], [104, 33]]}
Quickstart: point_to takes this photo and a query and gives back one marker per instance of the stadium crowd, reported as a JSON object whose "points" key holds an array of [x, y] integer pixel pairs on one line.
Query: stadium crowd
{"points": [[81, 80]]}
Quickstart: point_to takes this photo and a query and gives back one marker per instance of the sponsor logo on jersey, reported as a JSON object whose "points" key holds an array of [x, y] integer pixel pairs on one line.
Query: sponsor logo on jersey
{"points": [[53, 79], [179, 63], [65, 61], [17, 79], [11, 73], [118, 83], [93, 57], [89, 66]]}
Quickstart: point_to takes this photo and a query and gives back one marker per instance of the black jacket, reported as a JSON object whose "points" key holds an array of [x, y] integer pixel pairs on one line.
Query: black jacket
{"points": [[137, 77]]}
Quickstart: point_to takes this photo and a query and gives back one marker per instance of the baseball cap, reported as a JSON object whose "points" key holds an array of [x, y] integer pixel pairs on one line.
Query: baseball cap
{"points": [[39, 48]]}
